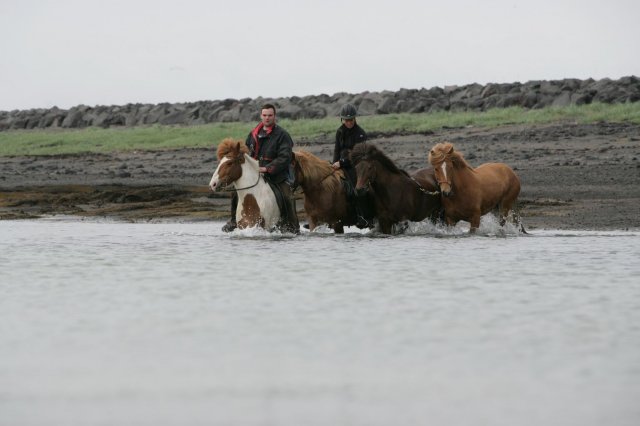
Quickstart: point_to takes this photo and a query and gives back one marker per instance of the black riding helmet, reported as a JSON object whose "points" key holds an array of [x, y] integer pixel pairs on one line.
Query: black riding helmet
{"points": [[348, 112]]}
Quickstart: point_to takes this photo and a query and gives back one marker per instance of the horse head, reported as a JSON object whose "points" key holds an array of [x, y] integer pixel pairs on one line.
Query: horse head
{"points": [[440, 159], [362, 160], [231, 156]]}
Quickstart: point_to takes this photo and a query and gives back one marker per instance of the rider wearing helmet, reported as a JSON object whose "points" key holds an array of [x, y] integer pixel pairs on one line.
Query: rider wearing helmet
{"points": [[347, 136]]}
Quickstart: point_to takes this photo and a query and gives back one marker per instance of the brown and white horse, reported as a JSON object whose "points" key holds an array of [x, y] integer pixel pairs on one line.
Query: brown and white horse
{"points": [[257, 205], [469, 193]]}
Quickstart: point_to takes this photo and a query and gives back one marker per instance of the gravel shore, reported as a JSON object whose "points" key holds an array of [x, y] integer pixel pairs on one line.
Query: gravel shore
{"points": [[584, 177]]}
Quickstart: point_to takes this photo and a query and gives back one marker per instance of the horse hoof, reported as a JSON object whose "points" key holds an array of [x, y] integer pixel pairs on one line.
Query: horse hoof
{"points": [[229, 226]]}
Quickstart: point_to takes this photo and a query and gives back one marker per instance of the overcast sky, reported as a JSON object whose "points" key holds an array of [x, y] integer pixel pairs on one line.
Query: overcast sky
{"points": [[69, 52]]}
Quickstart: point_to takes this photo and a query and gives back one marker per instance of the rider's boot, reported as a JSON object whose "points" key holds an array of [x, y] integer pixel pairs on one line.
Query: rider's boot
{"points": [[291, 223], [231, 224]]}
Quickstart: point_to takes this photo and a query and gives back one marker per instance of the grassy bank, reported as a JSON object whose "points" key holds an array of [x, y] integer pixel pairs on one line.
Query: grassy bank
{"points": [[58, 141]]}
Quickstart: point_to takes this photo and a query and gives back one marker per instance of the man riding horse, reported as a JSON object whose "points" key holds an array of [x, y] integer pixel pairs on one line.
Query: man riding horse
{"points": [[272, 146]]}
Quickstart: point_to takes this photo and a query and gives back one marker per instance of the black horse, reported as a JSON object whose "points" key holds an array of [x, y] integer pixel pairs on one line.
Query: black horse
{"points": [[398, 196]]}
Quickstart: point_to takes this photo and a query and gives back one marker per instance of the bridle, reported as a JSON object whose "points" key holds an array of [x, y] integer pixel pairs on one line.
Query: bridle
{"points": [[224, 188], [440, 182]]}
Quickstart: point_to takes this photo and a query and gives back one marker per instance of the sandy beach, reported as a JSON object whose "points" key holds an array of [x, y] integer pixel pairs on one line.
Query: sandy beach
{"points": [[573, 176]]}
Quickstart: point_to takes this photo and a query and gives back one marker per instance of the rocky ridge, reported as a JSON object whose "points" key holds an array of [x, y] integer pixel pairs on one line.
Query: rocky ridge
{"points": [[471, 97]]}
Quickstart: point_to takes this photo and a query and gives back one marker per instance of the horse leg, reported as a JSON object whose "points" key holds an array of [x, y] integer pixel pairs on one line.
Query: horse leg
{"points": [[517, 218], [385, 226], [505, 209], [450, 221], [503, 217], [338, 228], [475, 223], [312, 223]]}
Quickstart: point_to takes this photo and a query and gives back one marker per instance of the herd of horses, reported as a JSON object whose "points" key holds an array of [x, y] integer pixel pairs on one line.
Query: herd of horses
{"points": [[448, 189]]}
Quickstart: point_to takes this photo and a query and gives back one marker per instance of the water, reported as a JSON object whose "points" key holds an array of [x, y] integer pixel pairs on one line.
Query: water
{"points": [[107, 323]]}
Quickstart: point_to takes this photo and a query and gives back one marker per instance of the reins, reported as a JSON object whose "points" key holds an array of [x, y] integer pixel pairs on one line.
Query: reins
{"points": [[224, 189], [424, 191]]}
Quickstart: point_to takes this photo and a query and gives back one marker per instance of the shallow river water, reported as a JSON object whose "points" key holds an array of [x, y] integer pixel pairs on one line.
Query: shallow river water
{"points": [[106, 323]]}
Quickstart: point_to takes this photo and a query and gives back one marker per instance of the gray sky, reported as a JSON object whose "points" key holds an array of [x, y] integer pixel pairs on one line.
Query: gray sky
{"points": [[69, 52]]}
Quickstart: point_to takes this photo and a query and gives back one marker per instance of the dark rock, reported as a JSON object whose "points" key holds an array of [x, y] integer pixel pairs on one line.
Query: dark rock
{"points": [[472, 97]]}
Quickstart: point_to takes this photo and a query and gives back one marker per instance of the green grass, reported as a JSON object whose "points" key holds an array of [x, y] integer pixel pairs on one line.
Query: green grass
{"points": [[57, 141]]}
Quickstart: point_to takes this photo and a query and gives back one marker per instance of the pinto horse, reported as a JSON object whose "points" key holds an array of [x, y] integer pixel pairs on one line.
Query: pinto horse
{"points": [[469, 193], [325, 197], [257, 205], [397, 195]]}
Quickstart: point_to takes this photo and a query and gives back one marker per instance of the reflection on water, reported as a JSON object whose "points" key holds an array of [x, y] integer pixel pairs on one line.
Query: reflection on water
{"points": [[180, 324]]}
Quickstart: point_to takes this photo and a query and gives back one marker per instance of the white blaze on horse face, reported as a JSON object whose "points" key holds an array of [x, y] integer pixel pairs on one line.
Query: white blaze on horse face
{"points": [[444, 185], [444, 169], [215, 179]]}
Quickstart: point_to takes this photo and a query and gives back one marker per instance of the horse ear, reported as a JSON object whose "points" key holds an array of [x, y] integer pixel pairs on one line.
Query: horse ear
{"points": [[450, 150]]}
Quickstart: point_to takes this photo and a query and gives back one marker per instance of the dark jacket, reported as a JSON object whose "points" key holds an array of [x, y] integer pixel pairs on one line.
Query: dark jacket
{"points": [[346, 139], [272, 150]]}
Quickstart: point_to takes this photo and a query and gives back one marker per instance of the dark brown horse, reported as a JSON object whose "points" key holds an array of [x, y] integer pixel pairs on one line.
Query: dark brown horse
{"points": [[469, 193], [397, 195], [325, 197]]}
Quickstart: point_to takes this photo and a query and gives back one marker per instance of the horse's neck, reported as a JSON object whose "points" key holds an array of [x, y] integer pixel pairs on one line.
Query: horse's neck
{"points": [[463, 176], [392, 182], [316, 190], [317, 182], [250, 174], [397, 176], [463, 172]]}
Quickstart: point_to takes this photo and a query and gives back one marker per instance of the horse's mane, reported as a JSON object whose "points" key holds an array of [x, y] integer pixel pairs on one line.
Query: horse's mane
{"points": [[445, 150], [316, 170], [367, 151], [311, 166], [229, 145]]}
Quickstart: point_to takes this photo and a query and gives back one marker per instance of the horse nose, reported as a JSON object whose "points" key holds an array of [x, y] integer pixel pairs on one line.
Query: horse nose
{"points": [[361, 191], [213, 185]]}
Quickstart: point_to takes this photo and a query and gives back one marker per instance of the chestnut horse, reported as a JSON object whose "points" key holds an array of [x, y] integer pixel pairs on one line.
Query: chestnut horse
{"points": [[325, 197], [469, 193], [397, 195], [257, 203]]}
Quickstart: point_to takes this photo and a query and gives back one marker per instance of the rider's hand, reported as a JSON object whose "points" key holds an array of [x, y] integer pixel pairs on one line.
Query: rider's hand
{"points": [[262, 169], [336, 165]]}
